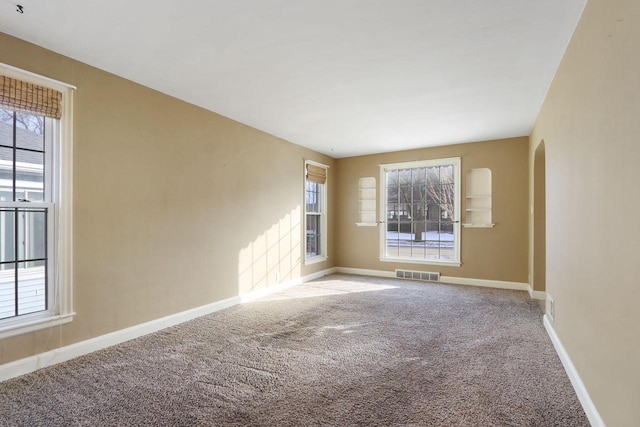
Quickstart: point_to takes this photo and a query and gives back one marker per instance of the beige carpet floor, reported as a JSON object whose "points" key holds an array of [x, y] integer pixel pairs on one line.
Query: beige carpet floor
{"points": [[340, 351]]}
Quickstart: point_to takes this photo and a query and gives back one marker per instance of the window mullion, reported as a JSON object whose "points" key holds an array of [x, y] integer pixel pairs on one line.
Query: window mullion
{"points": [[14, 167], [15, 259], [46, 257]]}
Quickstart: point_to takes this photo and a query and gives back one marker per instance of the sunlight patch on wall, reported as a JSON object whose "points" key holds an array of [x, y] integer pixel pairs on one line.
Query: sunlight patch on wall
{"points": [[272, 257]]}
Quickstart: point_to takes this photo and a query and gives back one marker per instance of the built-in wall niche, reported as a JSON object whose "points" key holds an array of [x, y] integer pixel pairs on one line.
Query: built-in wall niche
{"points": [[367, 201], [478, 199]]}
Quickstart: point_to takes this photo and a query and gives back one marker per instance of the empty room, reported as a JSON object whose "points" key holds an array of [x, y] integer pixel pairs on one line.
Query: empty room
{"points": [[291, 213]]}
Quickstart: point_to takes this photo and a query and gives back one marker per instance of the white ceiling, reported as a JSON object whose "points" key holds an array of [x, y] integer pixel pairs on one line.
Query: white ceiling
{"points": [[343, 77]]}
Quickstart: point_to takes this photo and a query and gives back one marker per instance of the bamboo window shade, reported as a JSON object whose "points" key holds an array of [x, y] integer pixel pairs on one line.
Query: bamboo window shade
{"points": [[30, 98], [316, 174]]}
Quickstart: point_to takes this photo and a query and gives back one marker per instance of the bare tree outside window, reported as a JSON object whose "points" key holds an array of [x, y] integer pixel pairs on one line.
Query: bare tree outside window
{"points": [[26, 121], [415, 191]]}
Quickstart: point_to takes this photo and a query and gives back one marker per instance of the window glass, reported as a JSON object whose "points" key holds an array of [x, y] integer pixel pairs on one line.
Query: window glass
{"points": [[315, 219], [421, 204], [29, 131], [31, 287], [24, 228]]}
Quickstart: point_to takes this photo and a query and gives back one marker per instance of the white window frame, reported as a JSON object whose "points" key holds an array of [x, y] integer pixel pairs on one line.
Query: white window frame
{"points": [[456, 161], [60, 183], [323, 217]]}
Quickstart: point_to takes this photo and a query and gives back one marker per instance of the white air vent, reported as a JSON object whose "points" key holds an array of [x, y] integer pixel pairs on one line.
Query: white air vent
{"points": [[426, 276]]}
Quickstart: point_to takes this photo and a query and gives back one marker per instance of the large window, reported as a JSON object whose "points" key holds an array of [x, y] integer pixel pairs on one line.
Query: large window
{"points": [[35, 241], [422, 205], [315, 212], [25, 212]]}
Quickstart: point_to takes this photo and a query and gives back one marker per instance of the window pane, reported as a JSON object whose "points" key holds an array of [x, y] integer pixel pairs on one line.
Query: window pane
{"points": [[392, 182], [446, 174], [392, 213], [31, 287], [6, 127], [312, 245], [404, 177], [418, 176], [313, 235], [29, 171], [6, 174], [7, 237], [404, 194], [417, 212], [6, 116], [29, 131], [34, 195], [392, 194], [447, 239], [7, 291], [313, 197], [392, 239], [31, 234], [313, 224], [433, 175], [419, 192], [417, 239], [318, 248], [418, 247]]}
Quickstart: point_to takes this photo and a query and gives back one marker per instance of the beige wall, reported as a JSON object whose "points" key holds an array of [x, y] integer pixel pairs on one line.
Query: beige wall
{"points": [[174, 207], [498, 253], [591, 130]]}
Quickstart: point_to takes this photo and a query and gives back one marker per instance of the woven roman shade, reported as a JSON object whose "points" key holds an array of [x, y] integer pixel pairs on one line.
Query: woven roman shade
{"points": [[316, 174], [30, 98]]}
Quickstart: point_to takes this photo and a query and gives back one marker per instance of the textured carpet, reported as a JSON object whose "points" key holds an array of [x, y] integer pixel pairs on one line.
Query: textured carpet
{"points": [[340, 351]]}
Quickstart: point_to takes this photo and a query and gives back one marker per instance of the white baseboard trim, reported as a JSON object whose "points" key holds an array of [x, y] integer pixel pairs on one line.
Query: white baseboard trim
{"points": [[319, 274], [583, 396], [365, 272], [447, 279], [62, 354], [251, 296], [538, 295], [499, 284]]}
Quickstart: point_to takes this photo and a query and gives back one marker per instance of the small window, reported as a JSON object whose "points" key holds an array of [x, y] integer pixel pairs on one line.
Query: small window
{"points": [[421, 201], [315, 212]]}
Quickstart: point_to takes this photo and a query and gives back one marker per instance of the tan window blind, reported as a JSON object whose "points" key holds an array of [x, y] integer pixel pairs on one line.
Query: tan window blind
{"points": [[30, 98], [316, 174]]}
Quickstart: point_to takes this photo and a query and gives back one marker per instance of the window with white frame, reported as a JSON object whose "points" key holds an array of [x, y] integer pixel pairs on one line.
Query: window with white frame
{"points": [[422, 205], [315, 212], [35, 288]]}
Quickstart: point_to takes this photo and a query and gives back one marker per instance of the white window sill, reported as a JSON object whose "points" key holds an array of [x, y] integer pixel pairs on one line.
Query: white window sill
{"points": [[415, 261], [366, 224], [28, 323], [315, 260]]}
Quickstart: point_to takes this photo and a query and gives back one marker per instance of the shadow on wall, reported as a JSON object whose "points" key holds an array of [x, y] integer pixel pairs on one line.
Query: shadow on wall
{"points": [[273, 256]]}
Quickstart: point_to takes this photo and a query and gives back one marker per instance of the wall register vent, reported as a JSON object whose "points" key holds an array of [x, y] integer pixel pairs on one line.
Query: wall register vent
{"points": [[425, 276]]}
